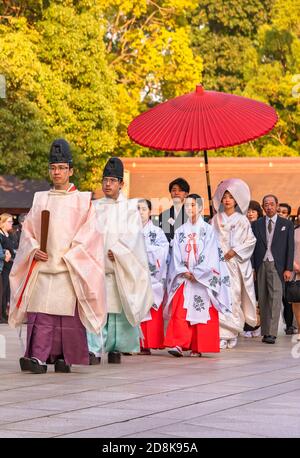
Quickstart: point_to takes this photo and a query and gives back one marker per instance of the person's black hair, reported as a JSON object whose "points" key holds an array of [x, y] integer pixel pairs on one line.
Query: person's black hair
{"points": [[287, 206], [197, 198], [254, 205], [149, 205], [182, 183], [270, 195]]}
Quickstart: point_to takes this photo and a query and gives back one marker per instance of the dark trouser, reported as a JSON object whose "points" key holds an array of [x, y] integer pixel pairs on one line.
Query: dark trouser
{"points": [[247, 327], [269, 298], [53, 337], [287, 313], [2, 309], [5, 288]]}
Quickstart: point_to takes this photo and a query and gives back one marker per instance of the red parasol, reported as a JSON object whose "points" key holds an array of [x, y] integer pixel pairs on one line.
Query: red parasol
{"points": [[202, 120]]}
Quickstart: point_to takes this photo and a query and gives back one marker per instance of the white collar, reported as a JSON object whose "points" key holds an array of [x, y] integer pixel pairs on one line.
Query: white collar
{"points": [[199, 223], [148, 226], [121, 198], [273, 219], [177, 211]]}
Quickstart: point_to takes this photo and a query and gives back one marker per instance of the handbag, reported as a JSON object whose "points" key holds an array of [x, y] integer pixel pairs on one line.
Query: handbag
{"points": [[292, 290]]}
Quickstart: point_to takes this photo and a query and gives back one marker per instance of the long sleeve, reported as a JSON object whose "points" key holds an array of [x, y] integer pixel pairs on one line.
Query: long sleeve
{"points": [[177, 267], [85, 261], [157, 251], [245, 246], [157, 256], [132, 271], [290, 248], [2, 254], [24, 267]]}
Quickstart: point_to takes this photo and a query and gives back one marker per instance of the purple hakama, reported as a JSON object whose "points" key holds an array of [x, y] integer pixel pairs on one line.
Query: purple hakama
{"points": [[52, 337]]}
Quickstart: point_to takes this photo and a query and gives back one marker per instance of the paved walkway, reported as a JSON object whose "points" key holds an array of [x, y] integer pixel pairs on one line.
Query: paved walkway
{"points": [[251, 391]]}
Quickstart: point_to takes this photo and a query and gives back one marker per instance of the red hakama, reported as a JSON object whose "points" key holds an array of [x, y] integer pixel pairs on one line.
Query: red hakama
{"points": [[153, 330], [200, 338]]}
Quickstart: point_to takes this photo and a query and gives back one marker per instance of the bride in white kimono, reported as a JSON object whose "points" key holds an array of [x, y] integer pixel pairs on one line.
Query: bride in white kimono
{"points": [[157, 247], [237, 241], [198, 286]]}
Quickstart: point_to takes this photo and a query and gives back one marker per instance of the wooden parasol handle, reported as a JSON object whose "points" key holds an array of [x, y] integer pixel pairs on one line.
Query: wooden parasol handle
{"points": [[44, 229]]}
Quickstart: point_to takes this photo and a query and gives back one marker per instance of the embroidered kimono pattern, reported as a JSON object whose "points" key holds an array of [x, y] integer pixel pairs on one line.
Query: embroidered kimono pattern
{"points": [[157, 247], [234, 232], [196, 250]]}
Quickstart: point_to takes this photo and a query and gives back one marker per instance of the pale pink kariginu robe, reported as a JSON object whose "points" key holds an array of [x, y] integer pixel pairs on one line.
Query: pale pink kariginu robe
{"points": [[74, 273]]}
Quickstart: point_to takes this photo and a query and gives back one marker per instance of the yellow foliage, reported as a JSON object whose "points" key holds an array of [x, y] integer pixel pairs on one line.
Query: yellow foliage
{"points": [[149, 47]]}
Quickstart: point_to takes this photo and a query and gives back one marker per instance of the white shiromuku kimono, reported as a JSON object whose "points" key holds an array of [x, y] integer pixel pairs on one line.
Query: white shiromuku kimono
{"points": [[157, 247], [196, 250], [234, 232]]}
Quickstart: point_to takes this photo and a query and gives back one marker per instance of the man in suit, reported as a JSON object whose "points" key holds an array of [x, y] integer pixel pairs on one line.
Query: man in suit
{"points": [[175, 216], [273, 260], [285, 210]]}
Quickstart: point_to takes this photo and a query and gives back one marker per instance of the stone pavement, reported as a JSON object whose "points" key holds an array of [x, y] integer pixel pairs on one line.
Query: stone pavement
{"points": [[250, 391]]}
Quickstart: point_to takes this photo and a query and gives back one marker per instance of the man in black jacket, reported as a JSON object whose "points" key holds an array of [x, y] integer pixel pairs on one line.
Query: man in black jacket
{"points": [[273, 260], [175, 216], [285, 210]]}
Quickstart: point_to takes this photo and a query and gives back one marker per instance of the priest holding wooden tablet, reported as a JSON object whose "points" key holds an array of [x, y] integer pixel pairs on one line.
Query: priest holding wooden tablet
{"points": [[57, 280]]}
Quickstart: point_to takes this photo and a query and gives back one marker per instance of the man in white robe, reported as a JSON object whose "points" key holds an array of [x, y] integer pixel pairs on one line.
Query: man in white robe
{"points": [[128, 284]]}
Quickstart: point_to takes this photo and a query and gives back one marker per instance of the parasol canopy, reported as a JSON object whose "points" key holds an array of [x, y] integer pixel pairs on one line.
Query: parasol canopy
{"points": [[202, 120]]}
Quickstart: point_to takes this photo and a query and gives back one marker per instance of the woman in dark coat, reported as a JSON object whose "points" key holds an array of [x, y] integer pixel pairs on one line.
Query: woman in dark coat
{"points": [[7, 243]]}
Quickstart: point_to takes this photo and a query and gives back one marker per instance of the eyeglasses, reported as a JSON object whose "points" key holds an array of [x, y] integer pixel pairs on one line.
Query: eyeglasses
{"points": [[106, 180], [60, 168]]}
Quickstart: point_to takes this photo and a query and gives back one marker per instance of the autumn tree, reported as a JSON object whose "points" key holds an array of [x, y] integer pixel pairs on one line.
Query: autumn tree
{"points": [[272, 74], [223, 30], [148, 45], [58, 84]]}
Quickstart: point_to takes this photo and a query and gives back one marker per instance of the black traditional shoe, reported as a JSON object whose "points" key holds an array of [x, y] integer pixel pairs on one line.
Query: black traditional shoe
{"points": [[25, 364], [269, 339], [290, 331], [114, 357], [32, 365], [176, 351], [93, 359], [61, 366], [145, 351]]}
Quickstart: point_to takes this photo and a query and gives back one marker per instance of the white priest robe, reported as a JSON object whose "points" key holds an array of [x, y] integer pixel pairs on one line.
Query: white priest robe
{"points": [[128, 283], [196, 250], [234, 232]]}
